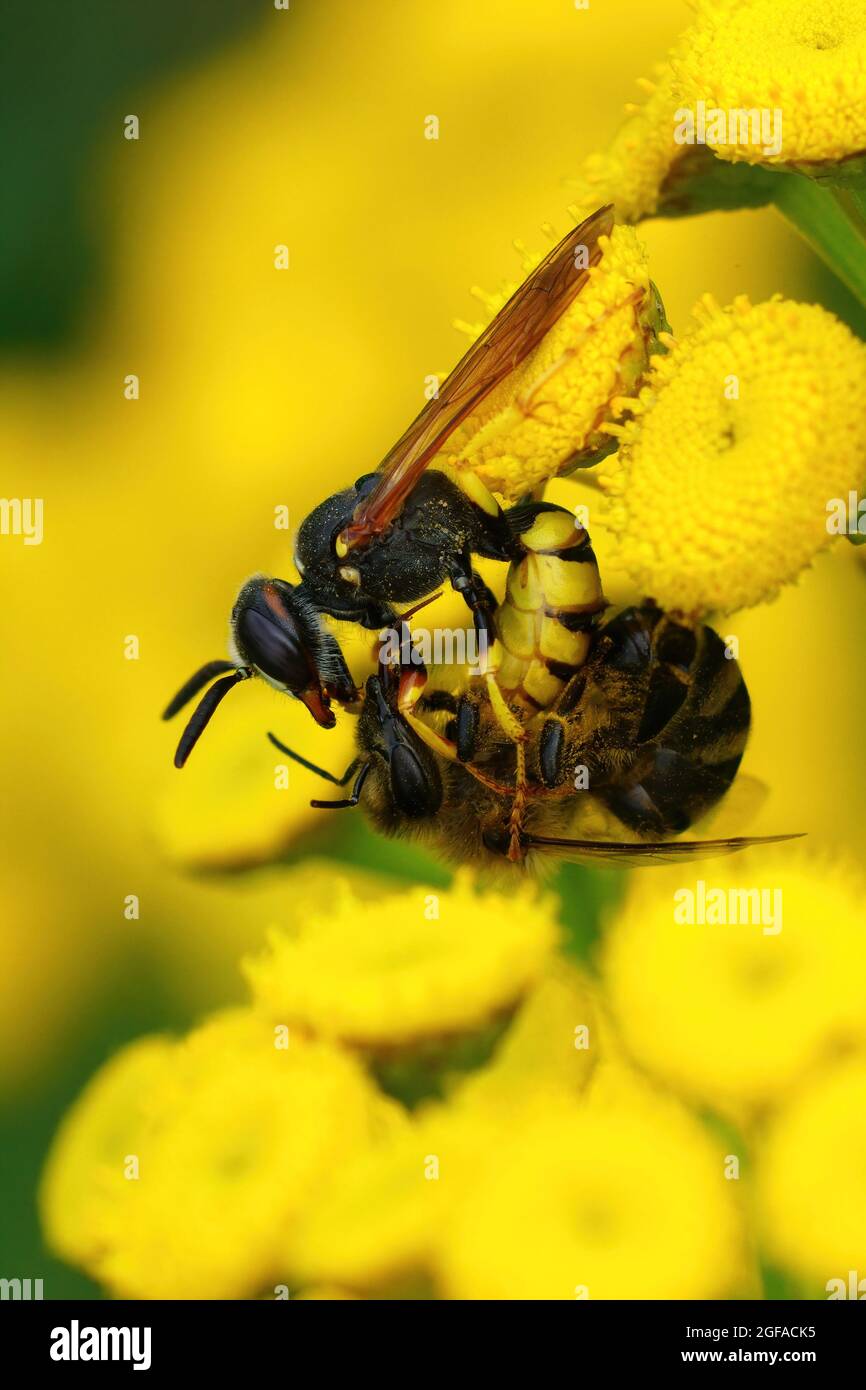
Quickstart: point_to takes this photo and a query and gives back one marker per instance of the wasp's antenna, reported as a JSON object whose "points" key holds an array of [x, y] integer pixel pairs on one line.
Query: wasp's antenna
{"points": [[195, 684], [204, 710]]}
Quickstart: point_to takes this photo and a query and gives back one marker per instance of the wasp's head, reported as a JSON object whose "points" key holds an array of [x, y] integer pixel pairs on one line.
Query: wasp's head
{"points": [[276, 634], [279, 635]]}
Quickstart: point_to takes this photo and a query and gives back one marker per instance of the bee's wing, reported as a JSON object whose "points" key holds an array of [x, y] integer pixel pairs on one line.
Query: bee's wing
{"points": [[738, 809], [517, 329], [624, 854]]}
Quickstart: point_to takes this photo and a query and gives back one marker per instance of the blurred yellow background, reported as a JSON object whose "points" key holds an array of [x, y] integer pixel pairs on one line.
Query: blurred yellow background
{"points": [[261, 387]]}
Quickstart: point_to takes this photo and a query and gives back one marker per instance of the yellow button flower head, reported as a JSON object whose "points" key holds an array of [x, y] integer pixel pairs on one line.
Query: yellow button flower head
{"points": [[551, 1043], [805, 60], [377, 1223], [84, 1174], [743, 434], [811, 1181], [380, 1220], [549, 412], [238, 1131], [586, 1203], [632, 171], [415, 966], [735, 1015]]}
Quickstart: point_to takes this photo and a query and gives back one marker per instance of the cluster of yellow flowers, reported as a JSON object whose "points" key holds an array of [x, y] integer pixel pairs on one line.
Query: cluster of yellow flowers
{"points": [[739, 439], [735, 439], [556, 1143], [805, 62]]}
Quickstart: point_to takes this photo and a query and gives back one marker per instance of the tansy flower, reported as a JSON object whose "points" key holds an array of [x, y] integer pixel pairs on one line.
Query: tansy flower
{"points": [[586, 1204], [804, 61], [549, 412], [735, 1012], [84, 1174], [743, 434], [378, 1223], [234, 1137], [381, 1214], [811, 1180], [632, 171], [551, 1042], [413, 967]]}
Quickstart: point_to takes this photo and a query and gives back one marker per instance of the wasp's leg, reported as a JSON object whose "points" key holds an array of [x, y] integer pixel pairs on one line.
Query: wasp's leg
{"points": [[478, 598], [409, 694], [370, 615]]}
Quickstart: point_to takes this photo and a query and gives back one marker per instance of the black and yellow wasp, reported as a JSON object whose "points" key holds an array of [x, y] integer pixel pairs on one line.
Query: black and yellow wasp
{"points": [[648, 706]]}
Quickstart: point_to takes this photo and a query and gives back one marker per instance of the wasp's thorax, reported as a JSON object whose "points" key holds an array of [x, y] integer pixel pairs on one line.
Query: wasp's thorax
{"points": [[406, 561], [333, 580]]}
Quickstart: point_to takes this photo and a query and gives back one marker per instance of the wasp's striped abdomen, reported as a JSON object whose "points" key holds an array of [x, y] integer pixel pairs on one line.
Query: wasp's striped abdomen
{"points": [[553, 601]]}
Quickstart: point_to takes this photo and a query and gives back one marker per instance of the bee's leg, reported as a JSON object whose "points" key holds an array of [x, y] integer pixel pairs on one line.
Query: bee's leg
{"points": [[512, 726], [466, 725], [409, 694], [349, 800]]}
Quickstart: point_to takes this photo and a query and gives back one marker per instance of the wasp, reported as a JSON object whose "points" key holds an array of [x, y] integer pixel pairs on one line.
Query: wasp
{"points": [[591, 739], [399, 532]]}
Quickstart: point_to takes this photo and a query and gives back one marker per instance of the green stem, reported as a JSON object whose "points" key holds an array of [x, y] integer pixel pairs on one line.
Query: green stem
{"points": [[833, 221]]}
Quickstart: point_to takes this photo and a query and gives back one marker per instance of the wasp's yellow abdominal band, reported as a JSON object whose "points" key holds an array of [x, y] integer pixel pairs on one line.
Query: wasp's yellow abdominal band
{"points": [[549, 412], [741, 435], [802, 60]]}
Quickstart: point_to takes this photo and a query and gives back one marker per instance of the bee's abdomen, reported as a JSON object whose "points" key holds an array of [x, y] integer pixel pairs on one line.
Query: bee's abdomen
{"points": [[693, 721], [553, 601]]}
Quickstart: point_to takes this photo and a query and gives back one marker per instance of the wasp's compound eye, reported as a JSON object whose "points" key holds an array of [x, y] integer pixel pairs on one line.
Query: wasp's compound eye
{"points": [[275, 648]]}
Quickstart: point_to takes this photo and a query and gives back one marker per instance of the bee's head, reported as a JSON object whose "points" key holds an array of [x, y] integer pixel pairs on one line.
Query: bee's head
{"points": [[276, 634], [405, 769]]}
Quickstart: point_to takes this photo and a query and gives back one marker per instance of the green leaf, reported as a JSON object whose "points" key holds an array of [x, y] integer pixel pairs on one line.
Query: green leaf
{"points": [[832, 221], [700, 182]]}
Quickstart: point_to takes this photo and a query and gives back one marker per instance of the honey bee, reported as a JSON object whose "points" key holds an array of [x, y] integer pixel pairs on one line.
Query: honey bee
{"points": [[401, 531], [585, 739]]}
